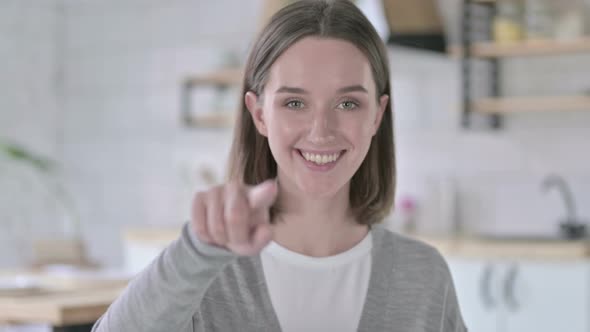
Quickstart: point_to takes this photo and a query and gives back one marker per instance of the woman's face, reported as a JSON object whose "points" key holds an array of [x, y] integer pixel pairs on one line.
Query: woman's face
{"points": [[319, 112]]}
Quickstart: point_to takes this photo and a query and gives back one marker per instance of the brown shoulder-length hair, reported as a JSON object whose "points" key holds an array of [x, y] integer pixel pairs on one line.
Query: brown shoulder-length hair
{"points": [[372, 187]]}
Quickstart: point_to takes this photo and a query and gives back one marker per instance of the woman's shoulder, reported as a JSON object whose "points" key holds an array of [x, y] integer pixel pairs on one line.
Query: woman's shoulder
{"points": [[407, 252]]}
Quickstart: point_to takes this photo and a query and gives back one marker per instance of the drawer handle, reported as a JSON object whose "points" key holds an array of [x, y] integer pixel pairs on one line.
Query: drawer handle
{"points": [[509, 296], [484, 287]]}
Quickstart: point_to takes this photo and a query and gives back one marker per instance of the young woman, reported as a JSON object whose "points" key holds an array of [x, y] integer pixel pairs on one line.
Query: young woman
{"points": [[289, 243]]}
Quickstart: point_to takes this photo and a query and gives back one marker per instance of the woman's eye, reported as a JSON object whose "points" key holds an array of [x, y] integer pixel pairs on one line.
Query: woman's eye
{"points": [[348, 105], [294, 104]]}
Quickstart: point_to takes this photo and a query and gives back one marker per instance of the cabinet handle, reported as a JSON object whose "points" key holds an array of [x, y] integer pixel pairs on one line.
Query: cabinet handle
{"points": [[509, 297], [484, 287]]}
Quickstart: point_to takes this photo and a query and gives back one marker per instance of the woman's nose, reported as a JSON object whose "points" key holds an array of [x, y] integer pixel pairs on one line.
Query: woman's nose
{"points": [[322, 125]]}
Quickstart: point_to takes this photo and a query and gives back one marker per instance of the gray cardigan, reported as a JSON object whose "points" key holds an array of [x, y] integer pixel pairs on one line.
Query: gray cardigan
{"points": [[193, 286]]}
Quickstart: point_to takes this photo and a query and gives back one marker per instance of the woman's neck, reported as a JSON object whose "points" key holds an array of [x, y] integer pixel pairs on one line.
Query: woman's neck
{"points": [[316, 226]]}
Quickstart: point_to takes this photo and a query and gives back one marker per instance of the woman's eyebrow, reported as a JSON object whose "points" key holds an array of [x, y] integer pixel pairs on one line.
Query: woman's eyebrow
{"points": [[351, 88], [287, 89]]}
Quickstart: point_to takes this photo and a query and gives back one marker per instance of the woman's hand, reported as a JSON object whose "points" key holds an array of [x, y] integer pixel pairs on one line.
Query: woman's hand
{"points": [[235, 216]]}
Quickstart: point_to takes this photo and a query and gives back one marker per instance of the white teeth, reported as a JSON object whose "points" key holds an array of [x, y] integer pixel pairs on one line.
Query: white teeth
{"points": [[321, 159]]}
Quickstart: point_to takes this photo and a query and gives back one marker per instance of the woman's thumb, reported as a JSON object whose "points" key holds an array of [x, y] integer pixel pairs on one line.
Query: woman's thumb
{"points": [[263, 195]]}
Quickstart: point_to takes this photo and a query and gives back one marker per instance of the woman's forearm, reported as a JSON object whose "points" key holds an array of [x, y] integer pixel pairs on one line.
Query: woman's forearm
{"points": [[166, 295]]}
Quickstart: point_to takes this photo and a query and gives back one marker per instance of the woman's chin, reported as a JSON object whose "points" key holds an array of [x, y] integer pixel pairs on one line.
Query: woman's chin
{"points": [[318, 189]]}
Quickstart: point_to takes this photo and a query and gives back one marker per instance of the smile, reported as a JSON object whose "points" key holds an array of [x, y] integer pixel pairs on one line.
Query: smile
{"points": [[321, 158]]}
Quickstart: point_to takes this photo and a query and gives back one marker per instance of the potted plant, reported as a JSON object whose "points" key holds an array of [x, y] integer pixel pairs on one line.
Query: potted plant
{"points": [[67, 247]]}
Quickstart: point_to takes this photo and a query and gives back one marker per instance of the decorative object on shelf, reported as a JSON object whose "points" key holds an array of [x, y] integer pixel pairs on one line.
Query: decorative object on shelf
{"points": [[570, 19], [508, 27], [539, 18], [408, 211]]}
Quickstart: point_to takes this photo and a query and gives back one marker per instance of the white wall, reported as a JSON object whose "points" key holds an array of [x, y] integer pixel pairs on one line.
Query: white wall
{"points": [[127, 155], [126, 150], [498, 174], [29, 115]]}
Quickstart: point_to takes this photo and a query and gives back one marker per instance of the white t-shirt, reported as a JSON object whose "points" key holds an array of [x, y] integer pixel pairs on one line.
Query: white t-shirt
{"points": [[318, 294]]}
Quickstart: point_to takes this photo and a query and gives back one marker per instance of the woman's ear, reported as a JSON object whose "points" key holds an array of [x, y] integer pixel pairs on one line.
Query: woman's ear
{"points": [[255, 109], [383, 100]]}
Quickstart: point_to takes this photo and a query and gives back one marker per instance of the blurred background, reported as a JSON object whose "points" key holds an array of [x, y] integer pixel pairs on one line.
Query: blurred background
{"points": [[114, 113]]}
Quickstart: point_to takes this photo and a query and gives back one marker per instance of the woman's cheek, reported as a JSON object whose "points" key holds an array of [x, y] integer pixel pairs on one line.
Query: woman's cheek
{"points": [[281, 134], [358, 129]]}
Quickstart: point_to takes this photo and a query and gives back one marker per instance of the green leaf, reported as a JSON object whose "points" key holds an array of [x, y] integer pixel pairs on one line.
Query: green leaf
{"points": [[21, 154]]}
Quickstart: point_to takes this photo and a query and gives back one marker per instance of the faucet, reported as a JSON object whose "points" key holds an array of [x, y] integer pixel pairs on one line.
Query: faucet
{"points": [[571, 227]]}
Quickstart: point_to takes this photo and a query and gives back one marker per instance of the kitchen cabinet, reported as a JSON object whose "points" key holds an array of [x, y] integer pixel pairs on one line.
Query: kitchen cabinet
{"points": [[472, 283], [549, 297], [522, 295]]}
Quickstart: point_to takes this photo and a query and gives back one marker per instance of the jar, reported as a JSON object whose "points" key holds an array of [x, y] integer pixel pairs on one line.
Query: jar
{"points": [[539, 18], [569, 23], [507, 24]]}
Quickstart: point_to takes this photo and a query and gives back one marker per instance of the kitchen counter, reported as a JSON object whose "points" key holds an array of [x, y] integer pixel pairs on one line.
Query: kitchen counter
{"points": [[152, 235], [65, 302], [452, 246], [518, 248]]}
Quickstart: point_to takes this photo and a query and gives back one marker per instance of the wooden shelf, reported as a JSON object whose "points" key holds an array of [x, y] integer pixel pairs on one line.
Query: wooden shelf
{"points": [[525, 48], [224, 77], [531, 104], [220, 78], [212, 120], [531, 48]]}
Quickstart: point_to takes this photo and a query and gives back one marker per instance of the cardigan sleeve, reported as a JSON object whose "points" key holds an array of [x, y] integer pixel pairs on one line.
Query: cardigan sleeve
{"points": [[165, 295], [451, 320]]}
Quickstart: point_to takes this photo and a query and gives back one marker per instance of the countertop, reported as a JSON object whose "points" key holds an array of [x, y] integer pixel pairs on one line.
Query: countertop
{"points": [[152, 235], [59, 300], [515, 248], [453, 246]]}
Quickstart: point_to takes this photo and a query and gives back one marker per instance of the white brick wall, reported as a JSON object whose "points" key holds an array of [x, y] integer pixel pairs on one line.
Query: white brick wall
{"points": [[29, 110], [123, 141], [130, 162], [497, 173]]}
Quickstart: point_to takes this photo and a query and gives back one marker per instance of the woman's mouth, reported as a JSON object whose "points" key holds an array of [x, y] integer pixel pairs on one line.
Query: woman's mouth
{"points": [[320, 161]]}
